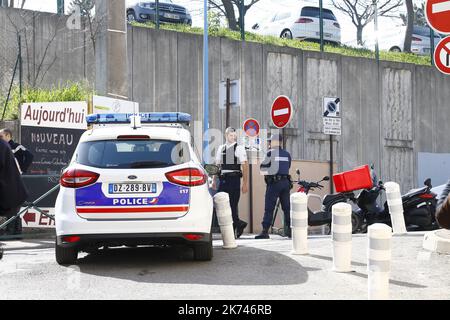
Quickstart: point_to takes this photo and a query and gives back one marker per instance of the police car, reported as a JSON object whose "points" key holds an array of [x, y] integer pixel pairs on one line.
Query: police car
{"points": [[134, 180]]}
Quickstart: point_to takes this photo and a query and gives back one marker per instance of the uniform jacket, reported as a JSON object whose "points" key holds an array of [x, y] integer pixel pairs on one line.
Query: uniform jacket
{"points": [[23, 156], [443, 209], [277, 161], [12, 190]]}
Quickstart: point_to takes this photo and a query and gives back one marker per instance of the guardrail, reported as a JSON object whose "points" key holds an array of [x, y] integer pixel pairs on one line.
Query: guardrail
{"points": [[33, 205]]}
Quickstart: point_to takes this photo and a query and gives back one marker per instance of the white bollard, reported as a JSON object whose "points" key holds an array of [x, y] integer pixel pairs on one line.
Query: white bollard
{"points": [[341, 230], [225, 219], [379, 261], [299, 223], [395, 203]]}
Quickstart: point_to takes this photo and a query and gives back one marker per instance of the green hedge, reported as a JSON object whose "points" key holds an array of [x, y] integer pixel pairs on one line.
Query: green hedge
{"points": [[303, 45], [68, 92]]}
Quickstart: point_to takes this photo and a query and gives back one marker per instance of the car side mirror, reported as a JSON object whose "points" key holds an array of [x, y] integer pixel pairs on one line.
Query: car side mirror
{"points": [[212, 169], [297, 171], [255, 26], [428, 183]]}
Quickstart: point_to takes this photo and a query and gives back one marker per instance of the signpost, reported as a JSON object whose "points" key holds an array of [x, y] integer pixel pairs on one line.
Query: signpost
{"points": [[110, 105], [332, 125], [442, 56], [252, 128]]}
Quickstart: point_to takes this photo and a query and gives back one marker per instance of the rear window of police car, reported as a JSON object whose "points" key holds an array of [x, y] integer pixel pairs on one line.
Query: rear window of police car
{"points": [[132, 154]]}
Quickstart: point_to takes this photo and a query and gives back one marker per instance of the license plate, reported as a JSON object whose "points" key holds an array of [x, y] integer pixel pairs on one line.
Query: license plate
{"points": [[171, 16], [125, 188], [325, 35]]}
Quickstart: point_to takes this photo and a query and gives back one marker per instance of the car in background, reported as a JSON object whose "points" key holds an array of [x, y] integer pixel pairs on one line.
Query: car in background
{"points": [[301, 22], [168, 12], [420, 42]]}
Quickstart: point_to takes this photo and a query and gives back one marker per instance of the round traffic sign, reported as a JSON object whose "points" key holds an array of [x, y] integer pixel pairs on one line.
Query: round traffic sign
{"points": [[442, 56], [281, 112], [437, 13], [251, 128]]}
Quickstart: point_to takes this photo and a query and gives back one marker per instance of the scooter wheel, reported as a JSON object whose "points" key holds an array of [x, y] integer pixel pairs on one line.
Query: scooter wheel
{"points": [[356, 222]]}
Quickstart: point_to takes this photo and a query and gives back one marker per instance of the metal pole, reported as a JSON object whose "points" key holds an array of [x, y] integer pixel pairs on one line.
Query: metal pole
{"points": [[60, 8], [377, 49], [331, 164], [321, 24], [242, 14], [157, 14], [205, 84], [432, 45], [227, 121], [20, 68], [10, 88]]}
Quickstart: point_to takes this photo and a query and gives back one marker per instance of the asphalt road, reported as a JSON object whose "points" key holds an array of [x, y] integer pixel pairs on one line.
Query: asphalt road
{"points": [[257, 269]]}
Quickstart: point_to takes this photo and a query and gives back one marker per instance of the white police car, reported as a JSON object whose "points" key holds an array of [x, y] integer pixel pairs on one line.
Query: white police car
{"points": [[134, 185]]}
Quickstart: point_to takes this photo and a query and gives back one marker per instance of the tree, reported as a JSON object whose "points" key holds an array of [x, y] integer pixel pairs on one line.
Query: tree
{"points": [[228, 9], [4, 3], [409, 25], [418, 16], [86, 10], [362, 12]]}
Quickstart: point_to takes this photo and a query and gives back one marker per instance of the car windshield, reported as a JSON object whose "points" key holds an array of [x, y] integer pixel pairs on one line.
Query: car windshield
{"points": [[132, 154], [314, 12]]}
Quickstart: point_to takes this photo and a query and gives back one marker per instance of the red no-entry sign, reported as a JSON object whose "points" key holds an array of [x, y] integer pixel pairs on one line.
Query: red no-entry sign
{"points": [[442, 56], [251, 128], [438, 15], [281, 112]]}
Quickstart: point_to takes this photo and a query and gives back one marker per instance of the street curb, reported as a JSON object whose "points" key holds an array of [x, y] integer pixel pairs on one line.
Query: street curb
{"points": [[437, 241]]}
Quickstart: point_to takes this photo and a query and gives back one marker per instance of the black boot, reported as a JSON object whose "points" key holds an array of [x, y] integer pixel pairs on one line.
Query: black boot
{"points": [[288, 232], [263, 235], [240, 229]]}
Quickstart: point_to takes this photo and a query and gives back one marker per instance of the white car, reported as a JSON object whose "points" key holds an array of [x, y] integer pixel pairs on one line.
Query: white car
{"points": [[302, 22], [394, 40], [134, 185]]}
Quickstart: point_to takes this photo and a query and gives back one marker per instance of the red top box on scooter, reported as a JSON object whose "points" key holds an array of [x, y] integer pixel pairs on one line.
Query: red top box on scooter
{"points": [[352, 180]]}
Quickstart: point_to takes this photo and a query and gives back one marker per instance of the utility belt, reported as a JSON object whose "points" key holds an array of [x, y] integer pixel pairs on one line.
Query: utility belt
{"points": [[276, 178], [231, 175]]}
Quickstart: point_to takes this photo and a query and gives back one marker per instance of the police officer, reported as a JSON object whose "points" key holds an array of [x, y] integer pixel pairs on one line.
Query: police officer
{"points": [[275, 168], [232, 159]]}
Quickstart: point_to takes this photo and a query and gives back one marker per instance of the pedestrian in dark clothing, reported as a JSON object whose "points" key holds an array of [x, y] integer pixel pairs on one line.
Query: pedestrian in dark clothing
{"points": [[443, 208], [12, 190], [24, 157]]}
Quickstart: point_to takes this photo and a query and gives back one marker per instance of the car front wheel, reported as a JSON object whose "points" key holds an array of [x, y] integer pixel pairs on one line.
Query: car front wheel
{"points": [[131, 16]]}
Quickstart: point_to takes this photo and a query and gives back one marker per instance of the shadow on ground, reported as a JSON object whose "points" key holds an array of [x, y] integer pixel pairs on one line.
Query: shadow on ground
{"points": [[243, 266]]}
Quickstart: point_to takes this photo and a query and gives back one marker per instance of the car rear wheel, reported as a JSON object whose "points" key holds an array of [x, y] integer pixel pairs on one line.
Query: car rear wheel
{"points": [[395, 49], [66, 256], [286, 34], [204, 251]]}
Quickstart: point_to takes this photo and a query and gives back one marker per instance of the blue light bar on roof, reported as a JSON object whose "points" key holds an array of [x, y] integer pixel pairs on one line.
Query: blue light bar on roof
{"points": [[150, 117]]}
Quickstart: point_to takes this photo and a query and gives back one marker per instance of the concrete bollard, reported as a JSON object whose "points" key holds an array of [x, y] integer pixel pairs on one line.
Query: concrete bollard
{"points": [[341, 230], [299, 223], [395, 203], [225, 219], [379, 261]]}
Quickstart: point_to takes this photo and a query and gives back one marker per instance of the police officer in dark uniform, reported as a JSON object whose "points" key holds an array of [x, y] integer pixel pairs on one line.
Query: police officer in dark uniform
{"points": [[276, 167], [23, 156], [233, 162]]}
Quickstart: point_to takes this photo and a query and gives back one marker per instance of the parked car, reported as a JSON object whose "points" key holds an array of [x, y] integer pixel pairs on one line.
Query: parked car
{"points": [[420, 42], [131, 185], [302, 22], [168, 12]]}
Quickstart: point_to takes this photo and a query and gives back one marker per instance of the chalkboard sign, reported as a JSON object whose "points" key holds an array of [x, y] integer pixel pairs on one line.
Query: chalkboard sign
{"points": [[52, 148], [37, 186]]}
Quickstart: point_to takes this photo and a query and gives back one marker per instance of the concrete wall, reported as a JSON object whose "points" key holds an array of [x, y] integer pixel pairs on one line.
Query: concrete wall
{"points": [[390, 112], [52, 54]]}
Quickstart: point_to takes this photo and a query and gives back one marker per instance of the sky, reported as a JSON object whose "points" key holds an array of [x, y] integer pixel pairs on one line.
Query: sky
{"points": [[258, 12]]}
